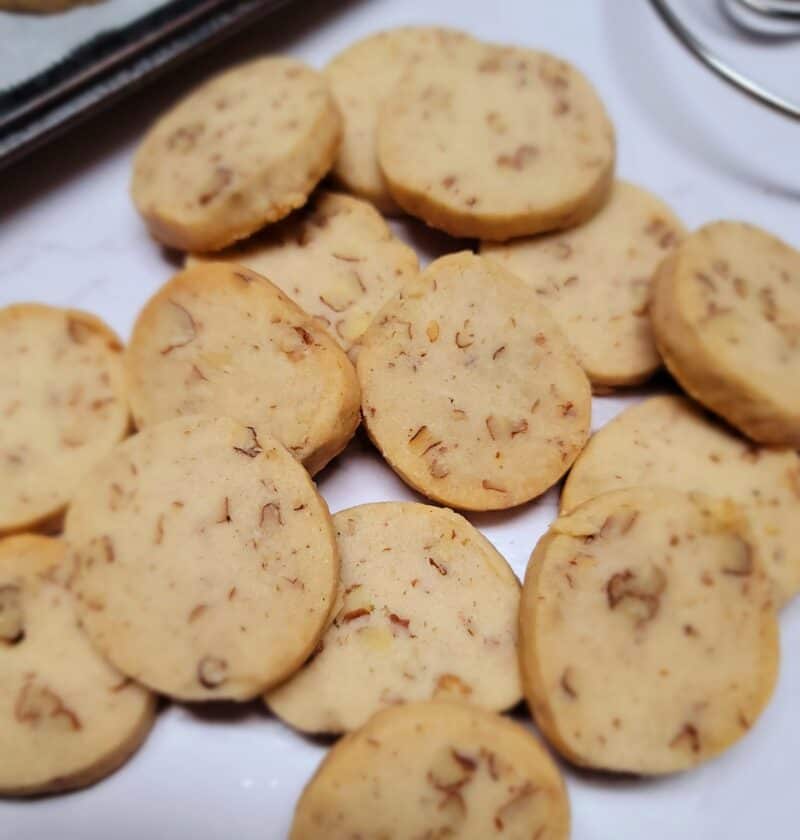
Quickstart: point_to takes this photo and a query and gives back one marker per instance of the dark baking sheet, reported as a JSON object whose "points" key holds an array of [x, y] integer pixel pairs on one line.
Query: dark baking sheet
{"points": [[113, 62]]}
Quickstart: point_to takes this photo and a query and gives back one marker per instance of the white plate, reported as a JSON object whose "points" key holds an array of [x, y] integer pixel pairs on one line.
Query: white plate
{"points": [[69, 236]]}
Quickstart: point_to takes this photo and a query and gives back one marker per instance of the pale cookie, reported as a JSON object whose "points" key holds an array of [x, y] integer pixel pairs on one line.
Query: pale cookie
{"points": [[648, 639], [219, 339], [595, 279], [435, 770], [245, 149], [429, 611], [496, 142], [63, 406], [470, 390], [361, 77], [668, 441], [336, 258], [726, 317], [206, 560], [68, 717]]}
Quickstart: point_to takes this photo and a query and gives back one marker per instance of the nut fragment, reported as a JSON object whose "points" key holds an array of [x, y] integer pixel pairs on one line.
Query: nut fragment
{"points": [[451, 684], [190, 327], [512, 807], [212, 671], [78, 331], [740, 563], [270, 514], [253, 449], [688, 737], [638, 593], [12, 625], [38, 705]]}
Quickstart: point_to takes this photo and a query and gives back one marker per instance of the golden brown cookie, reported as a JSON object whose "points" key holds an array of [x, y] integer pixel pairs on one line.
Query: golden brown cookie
{"points": [[206, 560], [668, 441], [596, 281], [244, 149], [219, 339], [63, 406], [470, 391], [361, 77], [68, 717], [336, 258], [435, 770], [648, 638], [726, 317], [496, 142], [429, 611]]}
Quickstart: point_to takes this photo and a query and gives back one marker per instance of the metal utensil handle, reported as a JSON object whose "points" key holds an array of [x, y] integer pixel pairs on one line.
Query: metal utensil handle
{"points": [[705, 55]]}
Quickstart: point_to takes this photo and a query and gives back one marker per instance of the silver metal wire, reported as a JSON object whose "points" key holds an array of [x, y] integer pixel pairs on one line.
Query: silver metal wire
{"points": [[783, 9], [710, 59]]}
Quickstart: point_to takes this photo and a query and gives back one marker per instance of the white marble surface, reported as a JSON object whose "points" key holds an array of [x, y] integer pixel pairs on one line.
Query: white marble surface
{"points": [[69, 236], [31, 43]]}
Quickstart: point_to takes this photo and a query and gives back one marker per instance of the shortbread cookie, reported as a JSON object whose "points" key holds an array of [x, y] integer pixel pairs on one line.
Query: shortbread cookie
{"points": [[68, 717], [206, 561], [496, 142], [470, 390], [336, 258], [435, 770], [595, 279], [361, 77], [245, 149], [63, 405], [726, 317], [648, 642], [429, 611], [668, 441], [219, 339]]}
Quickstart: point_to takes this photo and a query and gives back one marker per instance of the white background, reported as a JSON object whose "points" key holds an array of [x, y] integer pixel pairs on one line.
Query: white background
{"points": [[69, 236]]}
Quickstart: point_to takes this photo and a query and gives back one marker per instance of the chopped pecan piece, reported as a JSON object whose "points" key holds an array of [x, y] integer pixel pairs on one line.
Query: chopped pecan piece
{"points": [[451, 684], [270, 512], [253, 449], [741, 562], [352, 615], [12, 623], [637, 593], [688, 736], [511, 807], [191, 326], [38, 705], [212, 671]]}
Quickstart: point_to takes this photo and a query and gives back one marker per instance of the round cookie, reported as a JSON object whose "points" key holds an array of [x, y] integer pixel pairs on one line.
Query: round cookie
{"points": [[206, 562], [469, 388], [435, 770], [668, 441], [336, 258], [63, 406], [726, 317], [429, 611], [595, 280], [244, 149], [496, 142], [219, 339], [648, 640], [361, 77], [68, 717]]}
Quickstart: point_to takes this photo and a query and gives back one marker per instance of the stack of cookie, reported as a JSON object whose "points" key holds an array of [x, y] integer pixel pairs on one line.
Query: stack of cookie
{"points": [[198, 560]]}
